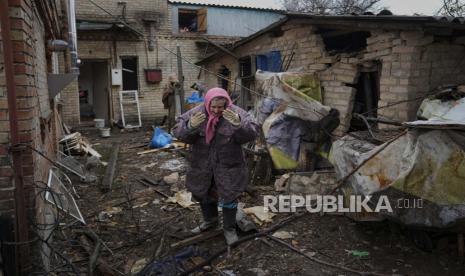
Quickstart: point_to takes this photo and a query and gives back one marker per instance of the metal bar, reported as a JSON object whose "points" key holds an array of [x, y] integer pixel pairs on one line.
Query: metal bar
{"points": [[21, 225], [181, 78], [384, 121], [73, 36], [177, 102]]}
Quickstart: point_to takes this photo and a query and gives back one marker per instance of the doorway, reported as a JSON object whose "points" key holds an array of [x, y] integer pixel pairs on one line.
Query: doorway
{"points": [[94, 91], [366, 97]]}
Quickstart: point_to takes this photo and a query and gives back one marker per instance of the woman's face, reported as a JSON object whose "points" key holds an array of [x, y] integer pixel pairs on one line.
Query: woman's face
{"points": [[217, 106]]}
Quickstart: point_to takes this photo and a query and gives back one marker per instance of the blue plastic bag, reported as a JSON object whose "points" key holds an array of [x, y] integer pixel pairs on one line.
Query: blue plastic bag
{"points": [[160, 138], [194, 98]]}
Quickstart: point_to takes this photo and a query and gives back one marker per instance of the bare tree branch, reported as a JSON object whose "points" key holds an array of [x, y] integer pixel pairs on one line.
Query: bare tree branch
{"points": [[454, 8], [338, 7]]}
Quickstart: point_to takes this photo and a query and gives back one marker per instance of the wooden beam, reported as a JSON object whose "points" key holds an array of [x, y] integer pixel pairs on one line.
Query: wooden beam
{"points": [[107, 181], [221, 48]]}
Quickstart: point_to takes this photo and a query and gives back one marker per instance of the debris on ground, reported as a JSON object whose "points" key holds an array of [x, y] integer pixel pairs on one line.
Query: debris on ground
{"points": [[260, 214], [284, 235], [357, 253], [281, 183], [135, 225], [183, 198], [171, 178]]}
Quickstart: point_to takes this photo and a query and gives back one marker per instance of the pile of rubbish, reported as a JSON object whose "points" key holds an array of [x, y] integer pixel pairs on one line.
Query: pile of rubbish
{"points": [[422, 170]]}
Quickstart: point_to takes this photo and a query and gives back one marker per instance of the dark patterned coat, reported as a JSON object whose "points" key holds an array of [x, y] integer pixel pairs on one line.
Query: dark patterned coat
{"points": [[223, 160]]}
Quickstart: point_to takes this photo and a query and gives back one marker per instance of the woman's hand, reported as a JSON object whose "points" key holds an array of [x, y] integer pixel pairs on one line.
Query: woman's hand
{"points": [[232, 117], [197, 119]]}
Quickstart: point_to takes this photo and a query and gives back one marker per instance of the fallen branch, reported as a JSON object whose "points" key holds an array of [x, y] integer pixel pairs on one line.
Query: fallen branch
{"points": [[93, 258], [157, 191], [198, 238], [93, 236], [321, 261], [160, 246], [101, 265], [150, 181], [244, 239]]}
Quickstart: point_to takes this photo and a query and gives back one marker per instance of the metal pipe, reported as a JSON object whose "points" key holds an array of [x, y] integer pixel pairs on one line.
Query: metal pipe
{"points": [[21, 226], [73, 36]]}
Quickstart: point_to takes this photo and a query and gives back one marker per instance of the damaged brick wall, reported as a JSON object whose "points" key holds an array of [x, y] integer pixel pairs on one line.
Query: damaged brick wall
{"points": [[411, 64], [309, 56]]}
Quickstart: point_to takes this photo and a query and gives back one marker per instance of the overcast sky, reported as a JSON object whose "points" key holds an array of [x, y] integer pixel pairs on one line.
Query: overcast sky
{"points": [[407, 7]]}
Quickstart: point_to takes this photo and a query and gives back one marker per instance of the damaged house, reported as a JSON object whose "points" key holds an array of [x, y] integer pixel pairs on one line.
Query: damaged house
{"points": [[128, 49], [378, 66], [361, 61]]}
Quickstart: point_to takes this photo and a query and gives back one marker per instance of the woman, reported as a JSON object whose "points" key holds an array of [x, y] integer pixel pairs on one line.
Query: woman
{"points": [[218, 172]]}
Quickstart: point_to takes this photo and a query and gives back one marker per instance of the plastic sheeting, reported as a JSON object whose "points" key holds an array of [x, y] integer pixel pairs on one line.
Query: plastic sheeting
{"points": [[429, 165], [441, 113], [291, 99]]}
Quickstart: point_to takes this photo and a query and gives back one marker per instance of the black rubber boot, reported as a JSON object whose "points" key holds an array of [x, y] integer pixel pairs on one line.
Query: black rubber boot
{"points": [[210, 217], [229, 225]]}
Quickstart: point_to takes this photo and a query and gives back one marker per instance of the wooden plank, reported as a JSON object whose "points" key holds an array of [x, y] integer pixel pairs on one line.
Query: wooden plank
{"points": [[111, 168], [149, 151], [202, 20]]}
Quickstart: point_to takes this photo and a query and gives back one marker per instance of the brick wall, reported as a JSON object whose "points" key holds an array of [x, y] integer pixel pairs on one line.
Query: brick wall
{"points": [[412, 64], [36, 113], [100, 49], [135, 11]]}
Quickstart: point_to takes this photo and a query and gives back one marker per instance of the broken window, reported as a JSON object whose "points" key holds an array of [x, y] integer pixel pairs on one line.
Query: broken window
{"points": [[247, 66], [192, 20], [343, 41], [130, 77]]}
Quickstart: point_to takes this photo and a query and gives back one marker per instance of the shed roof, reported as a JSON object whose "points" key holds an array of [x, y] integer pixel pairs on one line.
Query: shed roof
{"points": [[363, 22], [241, 4]]}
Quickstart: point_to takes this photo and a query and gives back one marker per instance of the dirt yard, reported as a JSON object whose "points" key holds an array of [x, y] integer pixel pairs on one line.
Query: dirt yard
{"points": [[136, 227]]}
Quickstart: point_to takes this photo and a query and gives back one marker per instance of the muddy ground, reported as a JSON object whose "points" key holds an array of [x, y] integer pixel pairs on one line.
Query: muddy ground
{"points": [[138, 227]]}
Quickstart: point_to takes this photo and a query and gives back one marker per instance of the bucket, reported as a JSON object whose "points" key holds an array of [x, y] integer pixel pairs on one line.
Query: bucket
{"points": [[105, 132], [99, 123]]}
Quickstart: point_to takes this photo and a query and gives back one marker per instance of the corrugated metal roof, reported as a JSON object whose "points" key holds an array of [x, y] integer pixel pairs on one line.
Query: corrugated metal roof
{"points": [[242, 4]]}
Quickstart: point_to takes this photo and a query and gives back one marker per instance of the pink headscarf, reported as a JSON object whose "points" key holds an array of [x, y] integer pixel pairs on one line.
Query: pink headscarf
{"points": [[212, 117]]}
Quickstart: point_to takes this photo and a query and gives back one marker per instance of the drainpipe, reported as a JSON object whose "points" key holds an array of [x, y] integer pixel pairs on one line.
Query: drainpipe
{"points": [[73, 36], [21, 226]]}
